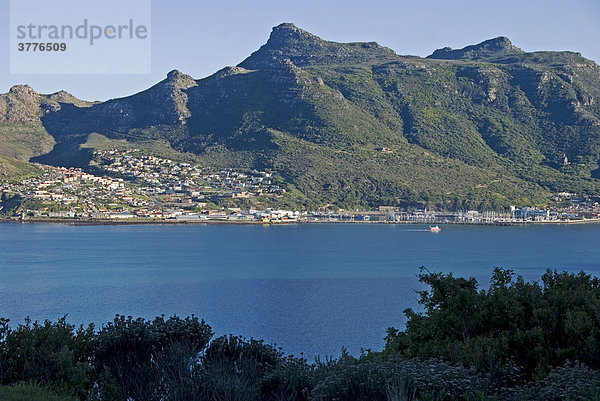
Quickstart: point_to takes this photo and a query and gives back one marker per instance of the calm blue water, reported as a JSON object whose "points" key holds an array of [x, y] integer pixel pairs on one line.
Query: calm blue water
{"points": [[307, 288]]}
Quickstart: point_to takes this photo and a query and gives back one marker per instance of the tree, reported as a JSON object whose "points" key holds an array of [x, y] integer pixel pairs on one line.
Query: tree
{"points": [[513, 325]]}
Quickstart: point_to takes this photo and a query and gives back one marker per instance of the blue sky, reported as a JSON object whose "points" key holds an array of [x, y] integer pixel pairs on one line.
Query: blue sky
{"points": [[201, 37]]}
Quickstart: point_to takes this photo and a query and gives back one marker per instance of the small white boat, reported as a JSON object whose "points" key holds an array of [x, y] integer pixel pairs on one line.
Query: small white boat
{"points": [[435, 229]]}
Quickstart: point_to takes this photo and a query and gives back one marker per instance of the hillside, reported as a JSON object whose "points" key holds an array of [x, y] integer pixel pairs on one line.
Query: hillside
{"points": [[355, 124], [11, 169], [22, 134]]}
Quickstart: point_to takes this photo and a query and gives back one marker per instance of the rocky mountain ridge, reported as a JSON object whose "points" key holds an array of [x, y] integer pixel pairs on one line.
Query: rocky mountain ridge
{"points": [[487, 125]]}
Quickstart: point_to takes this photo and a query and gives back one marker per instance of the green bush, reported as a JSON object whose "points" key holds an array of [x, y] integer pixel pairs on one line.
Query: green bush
{"points": [[51, 354], [531, 325], [232, 367], [144, 359], [381, 378], [292, 379], [31, 392], [572, 381]]}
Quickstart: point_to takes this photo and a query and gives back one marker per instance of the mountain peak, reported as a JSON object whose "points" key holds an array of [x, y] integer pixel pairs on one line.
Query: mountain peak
{"points": [[282, 34], [179, 80], [286, 41], [501, 42], [23, 90], [287, 26], [65, 97], [174, 74], [302, 48], [492, 48]]}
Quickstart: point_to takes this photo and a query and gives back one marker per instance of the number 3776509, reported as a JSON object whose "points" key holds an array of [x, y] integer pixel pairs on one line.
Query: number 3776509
{"points": [[41, 47]]}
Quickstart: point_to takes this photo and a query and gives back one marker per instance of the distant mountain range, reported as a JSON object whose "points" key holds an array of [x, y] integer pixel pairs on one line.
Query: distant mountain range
{"points": [[351, 124]]}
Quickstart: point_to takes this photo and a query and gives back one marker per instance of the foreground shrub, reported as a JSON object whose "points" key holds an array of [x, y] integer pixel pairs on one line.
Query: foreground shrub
{"points": [[394, 378], [292, 379], [143, 360], [573, 381], [51, 354], [30, 392], [533, 327], [233, 367]]}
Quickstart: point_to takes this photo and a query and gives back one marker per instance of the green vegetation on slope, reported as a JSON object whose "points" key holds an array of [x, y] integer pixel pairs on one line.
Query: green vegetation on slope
{"points": [[150, 148], [14, 170], [23, 141], [354, 124], [22, 134]]}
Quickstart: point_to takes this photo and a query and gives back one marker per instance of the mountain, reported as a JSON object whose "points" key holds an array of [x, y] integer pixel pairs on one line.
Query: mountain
{"points": [[22, 134], [14, 170], [355, 124]]}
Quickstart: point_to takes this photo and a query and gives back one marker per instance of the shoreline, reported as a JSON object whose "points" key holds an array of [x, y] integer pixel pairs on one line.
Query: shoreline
{"points": [[90, 222]]}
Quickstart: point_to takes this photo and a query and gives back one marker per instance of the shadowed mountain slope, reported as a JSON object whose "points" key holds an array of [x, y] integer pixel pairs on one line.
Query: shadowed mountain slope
{"points": [[356, 124]]}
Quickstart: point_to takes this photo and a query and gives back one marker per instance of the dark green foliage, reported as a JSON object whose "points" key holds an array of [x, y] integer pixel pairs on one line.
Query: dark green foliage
{"points": [[513, 326], [231, 353], [292, 379], [138, 356], [572, 381], [52, 354], [372, 378], [31, 392], [10, 203], [232, 368]]}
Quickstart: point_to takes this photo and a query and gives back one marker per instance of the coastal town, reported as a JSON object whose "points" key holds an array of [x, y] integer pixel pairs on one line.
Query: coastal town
{"points": [[127, 186]]}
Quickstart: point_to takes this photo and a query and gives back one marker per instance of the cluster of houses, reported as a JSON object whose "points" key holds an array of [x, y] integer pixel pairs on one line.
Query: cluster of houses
{"points": [[144, 187], [72, 193], [128, 185], [51, 188], [164, 176]]}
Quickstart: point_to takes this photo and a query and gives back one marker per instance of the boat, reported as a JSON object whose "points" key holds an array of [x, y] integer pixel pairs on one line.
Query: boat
{"points": [[435, 229]]}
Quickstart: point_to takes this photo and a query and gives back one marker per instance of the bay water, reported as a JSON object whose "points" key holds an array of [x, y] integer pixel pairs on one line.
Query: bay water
{"points": [[309, 288]]}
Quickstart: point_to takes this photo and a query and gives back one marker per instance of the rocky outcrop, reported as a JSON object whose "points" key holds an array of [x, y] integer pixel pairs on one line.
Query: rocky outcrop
{"points": [[303, 49], [489, 49]]}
